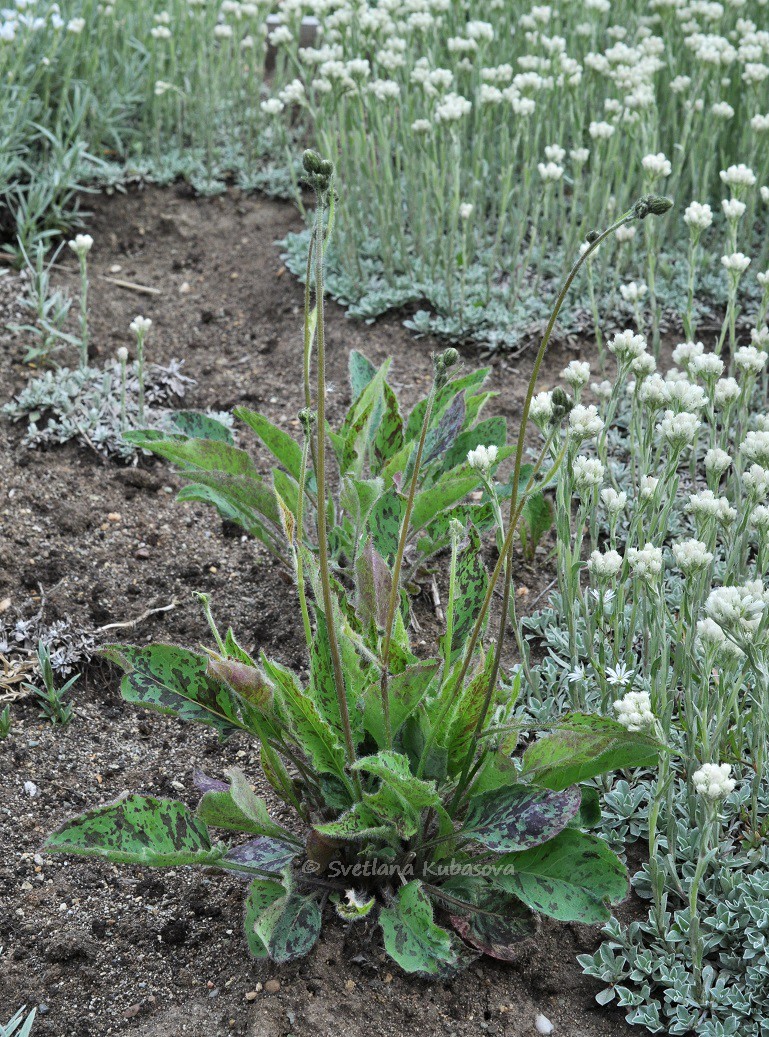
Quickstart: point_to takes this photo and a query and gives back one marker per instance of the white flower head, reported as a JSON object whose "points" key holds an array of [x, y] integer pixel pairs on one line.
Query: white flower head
{"points": [[634, 711], [584, 422], [736, 263], [698, 216], [81, 244], [587, 472], [657, 165], [482, 458], [646, 562], [605, 566], [627, 345], [692, 556], [140, 326], [576, 374], [717, 461], [713, 781]]}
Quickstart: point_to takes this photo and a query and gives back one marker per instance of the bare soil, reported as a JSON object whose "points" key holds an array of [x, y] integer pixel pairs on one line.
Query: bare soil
{"points": [[101, 949]]}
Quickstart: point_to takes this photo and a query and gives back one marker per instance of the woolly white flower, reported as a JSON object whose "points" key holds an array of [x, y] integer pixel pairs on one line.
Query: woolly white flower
{"points": [[713, 782], [81, 244], [711, 638], [482, 458], [465, 210], [550, 171], [750, 360], [707, 366], [722, 110], [625, 233], [584, 422], [685, 352], [733, 208], [626, 345], [736, 609], [738, 176], [648, 487], [603, 390], [272, 106], [613, 500], [140, 325], [576, 374], [736, 263], [421, 126], [759, 518], [76, 26], [657, 165], [685, 396], [705, 505], [600, 130], [633, 292], [452, 108], [654, 392], [679, 430], [646, 562], [587, 473], [634, 711], [756, 481], [755, 447], [698, 216], [541, 409], [604, 566], [692, 556], [717, 461], [726, 391]]}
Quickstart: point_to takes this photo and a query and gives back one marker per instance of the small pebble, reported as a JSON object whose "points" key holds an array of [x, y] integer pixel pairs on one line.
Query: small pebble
{"points": [[543, 1025], [252, 995], [30, 788], [272, 986]]}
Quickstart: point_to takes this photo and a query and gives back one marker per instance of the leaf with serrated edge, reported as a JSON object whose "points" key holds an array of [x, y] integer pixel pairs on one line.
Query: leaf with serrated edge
{"points": [[412, 938]]}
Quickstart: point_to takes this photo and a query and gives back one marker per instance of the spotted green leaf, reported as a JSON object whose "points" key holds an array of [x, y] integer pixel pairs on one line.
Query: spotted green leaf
{"points": [[500, 929], [137, 830], [406, 690], [585, 746], [385, 523], [412, 938], [259, 857], [570, 878], [388, 439], [280, 444], [362, 371], [373, 582], [492, 432], [288, 924], [448, 491], [441, 437], [200, 426], [470, 589], [519, 817], [176, 681]]}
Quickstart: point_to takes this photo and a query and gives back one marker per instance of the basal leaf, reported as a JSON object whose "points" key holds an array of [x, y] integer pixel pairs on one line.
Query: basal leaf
{"points": [[137, 830], [492, 432], [288, 926], [206, 455], [470, 589], [585, 746], [406, 690], [519, 817], [412, 938], [388, 439], [259, 856], [262, 893], [441, 437], [362, 371], [570, 878], [448, 491], [201, 426], [501, 930], [394, 770], [175, 681], [373, 582]]}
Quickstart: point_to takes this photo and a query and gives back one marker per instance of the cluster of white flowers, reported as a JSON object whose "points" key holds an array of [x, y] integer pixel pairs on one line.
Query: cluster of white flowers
{"points": [[605, 566], [576, 374], [634, 711], [587, 473], [482, 457], [679, 429], [585, 422], [713, 781], [737, 610], [627, 346], [692, 556], [646, 562]]}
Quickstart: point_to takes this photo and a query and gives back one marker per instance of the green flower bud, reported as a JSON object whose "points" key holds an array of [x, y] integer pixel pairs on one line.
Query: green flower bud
{"points": [[319, 171], [651, 205], [307, 418], [562, 405], [441, 364], [592, 236]]}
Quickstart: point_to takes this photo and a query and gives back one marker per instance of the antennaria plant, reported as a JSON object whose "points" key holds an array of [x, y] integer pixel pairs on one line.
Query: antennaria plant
{"points": [[410, 810]]}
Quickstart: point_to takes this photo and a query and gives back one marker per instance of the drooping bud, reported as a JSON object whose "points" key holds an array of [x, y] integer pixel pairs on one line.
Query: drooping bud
{"points": [[651, 205], [592, 236], [442, 362], [562, 405], [307, 419], [318, 171]]}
